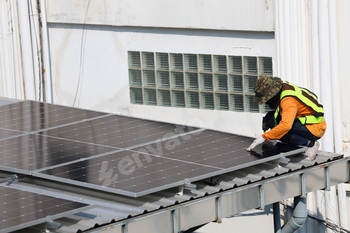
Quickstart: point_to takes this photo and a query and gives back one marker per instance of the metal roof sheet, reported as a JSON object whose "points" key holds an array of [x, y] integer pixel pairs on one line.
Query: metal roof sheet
{"points": [[124, 209]]}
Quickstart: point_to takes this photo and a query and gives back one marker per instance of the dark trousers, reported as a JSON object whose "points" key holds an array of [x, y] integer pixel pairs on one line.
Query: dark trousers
{"points": [[297, 135]]}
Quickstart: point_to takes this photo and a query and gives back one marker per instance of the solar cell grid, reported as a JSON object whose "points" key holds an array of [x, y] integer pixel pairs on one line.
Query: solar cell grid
{"points": [[31, 152], [139, 171], [29, 116], [120, 154], [128, 170], [20, 209], [210, 148], [117, 131]]}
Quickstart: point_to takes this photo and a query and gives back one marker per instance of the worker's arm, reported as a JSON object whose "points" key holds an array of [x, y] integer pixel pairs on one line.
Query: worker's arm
{"points": [[288, 114]]}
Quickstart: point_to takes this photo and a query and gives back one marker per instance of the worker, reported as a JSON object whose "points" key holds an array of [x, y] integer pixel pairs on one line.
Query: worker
{"points": [[298, 117]]}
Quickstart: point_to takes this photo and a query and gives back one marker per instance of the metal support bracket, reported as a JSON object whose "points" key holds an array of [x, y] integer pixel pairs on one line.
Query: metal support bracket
{"points": [[53, 225], [283, 160], [187, 185], [13, 178], [50, 224], [303, 185]]}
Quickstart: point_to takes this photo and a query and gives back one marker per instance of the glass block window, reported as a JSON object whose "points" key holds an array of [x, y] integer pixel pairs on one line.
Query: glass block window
{"points": [[192, 99], [201, 81]]}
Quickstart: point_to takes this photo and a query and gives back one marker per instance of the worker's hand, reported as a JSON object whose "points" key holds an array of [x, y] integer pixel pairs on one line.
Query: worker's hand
{"points": [[256, 142]]}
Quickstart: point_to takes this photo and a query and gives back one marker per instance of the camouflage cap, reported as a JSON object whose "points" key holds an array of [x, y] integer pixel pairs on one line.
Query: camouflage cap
{"points": [[266, 88]]}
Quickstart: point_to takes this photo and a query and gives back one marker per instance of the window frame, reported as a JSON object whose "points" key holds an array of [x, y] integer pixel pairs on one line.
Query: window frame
{"points": [[211, 69]]}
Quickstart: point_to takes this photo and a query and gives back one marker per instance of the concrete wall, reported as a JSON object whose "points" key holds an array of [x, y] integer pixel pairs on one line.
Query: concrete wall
{"points": [[247, 15]]}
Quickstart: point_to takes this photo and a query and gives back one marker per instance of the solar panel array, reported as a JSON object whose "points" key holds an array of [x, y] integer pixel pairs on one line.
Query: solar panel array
{"points": [[20, 209], [118, 154]]}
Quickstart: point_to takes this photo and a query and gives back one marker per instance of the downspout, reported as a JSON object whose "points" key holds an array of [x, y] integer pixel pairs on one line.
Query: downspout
{"points": [[299, 216], [46, 54], [26, 47], [34, 26]]}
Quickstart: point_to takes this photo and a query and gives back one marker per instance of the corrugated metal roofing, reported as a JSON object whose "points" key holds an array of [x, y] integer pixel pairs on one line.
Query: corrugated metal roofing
{"points": [[124, 208]]}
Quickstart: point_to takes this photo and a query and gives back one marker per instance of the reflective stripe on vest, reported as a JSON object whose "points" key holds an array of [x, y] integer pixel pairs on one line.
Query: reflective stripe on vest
{"points": [[307, 98]]}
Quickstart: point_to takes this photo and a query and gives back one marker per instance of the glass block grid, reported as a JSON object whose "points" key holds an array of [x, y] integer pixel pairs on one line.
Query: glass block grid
{"points": [[202, 81]]}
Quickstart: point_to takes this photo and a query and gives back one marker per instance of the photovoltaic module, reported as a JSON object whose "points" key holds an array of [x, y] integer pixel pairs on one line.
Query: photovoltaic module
{"points": [[119, 154]]}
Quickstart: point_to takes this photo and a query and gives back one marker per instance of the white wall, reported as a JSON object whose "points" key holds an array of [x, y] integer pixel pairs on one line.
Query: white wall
{"points": [[104, 83], [248, 222], [247, 15]]}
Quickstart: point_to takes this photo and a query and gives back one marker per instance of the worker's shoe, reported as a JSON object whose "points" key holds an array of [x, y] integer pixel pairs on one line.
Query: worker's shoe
{"points": [[312, 151]]}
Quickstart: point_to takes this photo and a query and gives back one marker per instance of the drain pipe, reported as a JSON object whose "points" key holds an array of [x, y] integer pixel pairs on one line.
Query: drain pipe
{"points": [[299, 216], [46, 54]]}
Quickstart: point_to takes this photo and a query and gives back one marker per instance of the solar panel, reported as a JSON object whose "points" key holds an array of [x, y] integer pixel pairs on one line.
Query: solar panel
{"points": [[20, 209], [81, 147], [128, 172], [30, 152], [29, 116], [217, 149], [158, 166], [118, 131]]}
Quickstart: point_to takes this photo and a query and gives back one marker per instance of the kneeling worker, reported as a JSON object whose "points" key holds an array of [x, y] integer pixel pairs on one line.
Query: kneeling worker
{"points": [[298, 117]]}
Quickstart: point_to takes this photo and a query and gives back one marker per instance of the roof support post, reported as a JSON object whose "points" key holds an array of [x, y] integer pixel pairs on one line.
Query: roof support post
{"points": [[262, 197], [175, 217], [299, 216], [328, 178], [276, 217], [125, 228], [218, 209]]}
